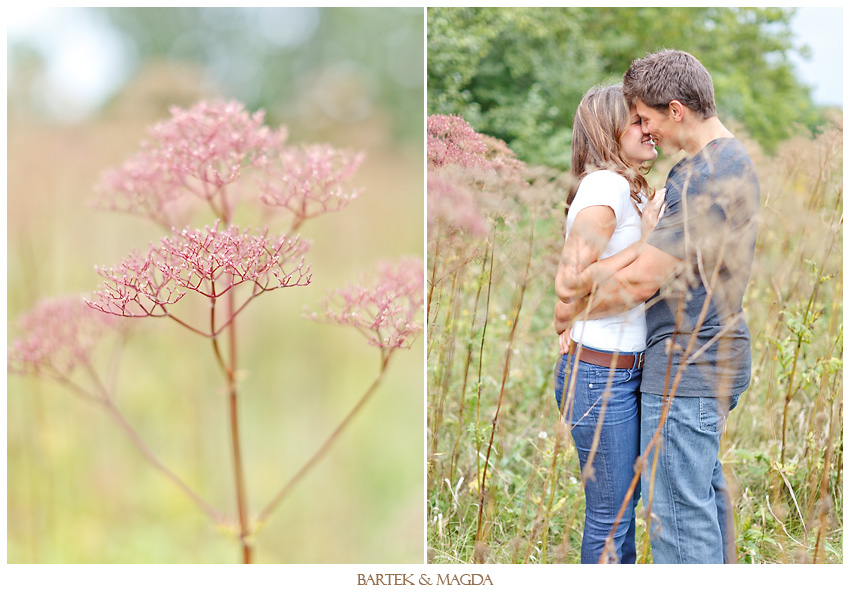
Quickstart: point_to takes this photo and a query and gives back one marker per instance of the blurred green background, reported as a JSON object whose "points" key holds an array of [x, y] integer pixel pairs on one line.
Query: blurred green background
{"points": [[83, 85]]}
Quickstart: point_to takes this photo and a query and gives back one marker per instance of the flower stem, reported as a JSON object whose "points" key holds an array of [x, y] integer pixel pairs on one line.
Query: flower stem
{"points": [[143, 448], [104, 398], [481, 531], [234, 433], [229, 371], [278, 498]]}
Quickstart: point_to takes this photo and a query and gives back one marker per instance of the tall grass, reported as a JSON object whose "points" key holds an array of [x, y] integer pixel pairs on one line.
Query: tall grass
{"points": [[504, 483]]}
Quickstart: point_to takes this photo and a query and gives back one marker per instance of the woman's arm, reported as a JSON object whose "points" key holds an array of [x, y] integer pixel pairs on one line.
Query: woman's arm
{"points": [[580, 269], [626, 289], [599, 272]]}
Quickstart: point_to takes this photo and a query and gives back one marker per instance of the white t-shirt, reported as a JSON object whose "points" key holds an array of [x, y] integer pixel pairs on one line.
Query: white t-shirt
{"points": [[625, 332]]}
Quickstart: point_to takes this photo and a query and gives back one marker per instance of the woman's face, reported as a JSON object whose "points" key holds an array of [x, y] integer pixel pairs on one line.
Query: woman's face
{"points": [[637, 146]]}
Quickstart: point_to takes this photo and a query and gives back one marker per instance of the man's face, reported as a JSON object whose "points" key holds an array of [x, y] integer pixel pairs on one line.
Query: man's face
{"points": [[659, 125]]}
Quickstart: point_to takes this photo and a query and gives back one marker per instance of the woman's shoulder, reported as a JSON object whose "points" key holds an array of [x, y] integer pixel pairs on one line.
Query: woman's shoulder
{"points": [[602, 179], [606, 176], [603, 186]]}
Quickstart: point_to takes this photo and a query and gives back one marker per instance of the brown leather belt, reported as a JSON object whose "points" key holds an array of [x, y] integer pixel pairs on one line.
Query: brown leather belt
{"points": [[607, 360]]}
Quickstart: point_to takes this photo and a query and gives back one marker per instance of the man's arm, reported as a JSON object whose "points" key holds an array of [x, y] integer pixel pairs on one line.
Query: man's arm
{"points": [[580, 269], [625, 289]]}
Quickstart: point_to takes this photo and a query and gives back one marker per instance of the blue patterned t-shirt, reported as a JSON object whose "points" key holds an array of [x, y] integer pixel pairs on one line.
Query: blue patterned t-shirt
{"points": [[696, 328]]}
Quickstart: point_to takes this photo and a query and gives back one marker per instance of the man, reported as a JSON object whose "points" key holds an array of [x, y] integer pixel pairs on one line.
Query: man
{"points": [[692, 273]]}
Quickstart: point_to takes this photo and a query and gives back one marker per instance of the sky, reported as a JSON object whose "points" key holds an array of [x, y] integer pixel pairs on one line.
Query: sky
{"points": [[820, 29], [87, 62]]}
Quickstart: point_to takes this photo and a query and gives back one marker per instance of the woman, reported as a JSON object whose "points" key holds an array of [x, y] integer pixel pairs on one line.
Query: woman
{"points": [[607, 225]]}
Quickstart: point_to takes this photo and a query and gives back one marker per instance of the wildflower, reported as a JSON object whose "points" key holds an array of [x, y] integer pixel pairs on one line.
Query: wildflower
{"points": [[57, 336], [503, 159], [209, 262], [451, 140], [385, 311], [211, 141], [310, 180], [194, 154]]}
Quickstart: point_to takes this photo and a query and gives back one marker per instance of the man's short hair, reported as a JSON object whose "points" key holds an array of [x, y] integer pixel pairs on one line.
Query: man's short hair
{"points": [[668, 75]]}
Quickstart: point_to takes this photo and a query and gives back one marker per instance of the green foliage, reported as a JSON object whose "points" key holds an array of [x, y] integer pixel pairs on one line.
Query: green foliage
{"points": [[518, 74]]}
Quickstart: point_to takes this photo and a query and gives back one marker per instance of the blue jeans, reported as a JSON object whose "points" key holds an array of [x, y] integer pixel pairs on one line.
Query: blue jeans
{"points": [[691, 509], [609, 474]]}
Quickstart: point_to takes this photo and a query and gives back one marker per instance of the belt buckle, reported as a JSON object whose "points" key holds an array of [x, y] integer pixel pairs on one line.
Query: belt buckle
{"points": [[639, 363]]}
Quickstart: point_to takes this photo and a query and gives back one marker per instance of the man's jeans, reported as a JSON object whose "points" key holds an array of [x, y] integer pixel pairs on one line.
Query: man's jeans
{"points": [[691, 510], [615, 455]]}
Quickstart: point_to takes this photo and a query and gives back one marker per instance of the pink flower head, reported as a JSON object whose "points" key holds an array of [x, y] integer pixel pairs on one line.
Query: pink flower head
{"points": [[212, 141], [454, 206], [386, 310], [503, 159], [144, 186], [310, 180], [209, 262], [57, 336], [451, 140], [196, 152]]}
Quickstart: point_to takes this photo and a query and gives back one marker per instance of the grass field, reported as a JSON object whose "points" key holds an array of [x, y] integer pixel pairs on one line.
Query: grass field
{"points": [[491, 354]]}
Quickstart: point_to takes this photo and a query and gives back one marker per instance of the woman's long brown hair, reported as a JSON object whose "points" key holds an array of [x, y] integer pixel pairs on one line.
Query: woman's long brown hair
{"points": [[601, 119]]}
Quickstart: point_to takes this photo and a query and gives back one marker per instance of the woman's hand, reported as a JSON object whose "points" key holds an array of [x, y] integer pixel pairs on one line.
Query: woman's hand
{"points": [[564, 341], [565, 314], [652, 212]]}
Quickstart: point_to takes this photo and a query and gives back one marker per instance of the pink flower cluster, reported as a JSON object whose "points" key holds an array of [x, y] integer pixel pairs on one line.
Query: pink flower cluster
{"points": [[310, 180], [211, 141], [386, 311], [452, 141], [196, 152], [209, 262], [503, 159], [57, 336]]}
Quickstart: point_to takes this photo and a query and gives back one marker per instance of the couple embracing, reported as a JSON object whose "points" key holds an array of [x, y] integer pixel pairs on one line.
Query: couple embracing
{"points": [[655, 350]]}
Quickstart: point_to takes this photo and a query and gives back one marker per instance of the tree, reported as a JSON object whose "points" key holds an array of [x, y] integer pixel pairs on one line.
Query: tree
{"points": [[518, 74]]}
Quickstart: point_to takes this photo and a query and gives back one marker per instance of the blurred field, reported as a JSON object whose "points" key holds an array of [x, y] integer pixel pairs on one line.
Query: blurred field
{"points": [[77, 489], [783, 447]]}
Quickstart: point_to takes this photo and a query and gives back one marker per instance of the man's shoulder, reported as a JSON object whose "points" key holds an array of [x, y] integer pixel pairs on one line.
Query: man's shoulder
{"points": [[731, 149], [721, 158]]}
